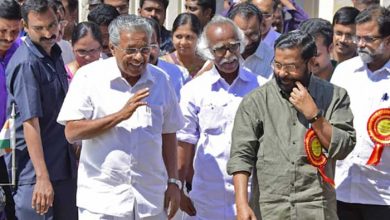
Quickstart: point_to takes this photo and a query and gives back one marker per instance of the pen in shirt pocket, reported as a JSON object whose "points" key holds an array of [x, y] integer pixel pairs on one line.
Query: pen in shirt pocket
{"points": [[385, 97]]}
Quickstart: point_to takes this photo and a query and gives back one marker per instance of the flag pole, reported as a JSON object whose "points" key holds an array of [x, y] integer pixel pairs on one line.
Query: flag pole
{"points": [[13, 143]]}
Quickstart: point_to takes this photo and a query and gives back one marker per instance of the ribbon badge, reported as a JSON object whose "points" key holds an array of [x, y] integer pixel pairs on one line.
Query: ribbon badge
{"points": [[378, 127], [315, 155]]}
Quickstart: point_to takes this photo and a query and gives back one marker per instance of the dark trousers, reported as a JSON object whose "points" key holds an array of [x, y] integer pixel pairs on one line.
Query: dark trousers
{"points": [[64, 205], [354, 211], [10, 204]]}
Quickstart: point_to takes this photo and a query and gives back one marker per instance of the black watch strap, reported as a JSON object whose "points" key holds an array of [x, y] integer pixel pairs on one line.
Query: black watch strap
{"points": [[315, 118]]}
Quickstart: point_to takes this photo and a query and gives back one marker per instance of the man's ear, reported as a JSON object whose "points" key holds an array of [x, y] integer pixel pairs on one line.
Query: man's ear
{"points": [[24, 25], [387, 42], [207, 13], [311, 63], [139, 11], [112, 47], [330, 48], [21, 24], [312, 60]]}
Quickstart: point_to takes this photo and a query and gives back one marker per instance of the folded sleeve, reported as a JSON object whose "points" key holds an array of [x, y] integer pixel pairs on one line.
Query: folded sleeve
{"points": [[190, 131], [343, 134], [25, 88], [77, 104]]}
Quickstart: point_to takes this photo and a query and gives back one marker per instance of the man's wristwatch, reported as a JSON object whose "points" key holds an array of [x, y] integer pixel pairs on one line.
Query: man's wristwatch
{"points": [[315, 118], [177, 182]]}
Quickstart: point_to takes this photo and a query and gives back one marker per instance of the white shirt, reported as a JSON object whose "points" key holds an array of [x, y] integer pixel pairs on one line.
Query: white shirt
{"points": [[271, 37], [125, 163], [209, 105], [357, 182], [260, 62], [178, 75]]}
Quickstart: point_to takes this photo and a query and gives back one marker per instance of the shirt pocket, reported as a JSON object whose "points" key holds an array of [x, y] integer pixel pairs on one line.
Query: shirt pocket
{"points": [[211, 118], [51, 95], [151, 116]]}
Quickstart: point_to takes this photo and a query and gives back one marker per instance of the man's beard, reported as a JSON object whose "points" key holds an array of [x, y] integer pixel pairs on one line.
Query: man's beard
{"points": [[367, 56], [153, 59], [291, 82], [251, 49]]}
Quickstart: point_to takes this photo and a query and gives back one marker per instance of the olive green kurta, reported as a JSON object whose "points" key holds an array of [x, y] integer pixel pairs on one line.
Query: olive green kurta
{"points": [[269, 132]]}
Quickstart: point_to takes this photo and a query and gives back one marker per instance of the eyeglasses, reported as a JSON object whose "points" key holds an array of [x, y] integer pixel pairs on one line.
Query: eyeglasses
{"points": [[267, 15], [221, 50], [366, 39], [133, 51], [154, 46], [83, 53], [291, 68]]}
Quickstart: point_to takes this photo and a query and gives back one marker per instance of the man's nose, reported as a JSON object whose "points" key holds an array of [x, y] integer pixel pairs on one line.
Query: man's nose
{"points": [[9, 37], [153, 13], [343, 38], [282, 73]]}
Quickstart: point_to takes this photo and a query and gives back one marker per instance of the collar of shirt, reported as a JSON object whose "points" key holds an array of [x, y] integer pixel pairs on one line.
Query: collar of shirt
{"points": [[39, 52], [313, 88], [261, 51], [145, 76], [381, 73], [270, 38], [215, 76], [385, 69]]}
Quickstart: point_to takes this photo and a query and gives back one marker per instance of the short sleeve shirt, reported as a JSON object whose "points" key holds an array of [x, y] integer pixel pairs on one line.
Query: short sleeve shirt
{"points": [[125, 163], [37, 84]]}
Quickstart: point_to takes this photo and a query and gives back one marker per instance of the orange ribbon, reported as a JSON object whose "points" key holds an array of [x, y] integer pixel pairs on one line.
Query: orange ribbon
{"points": [[315, 155], [378, 128]]}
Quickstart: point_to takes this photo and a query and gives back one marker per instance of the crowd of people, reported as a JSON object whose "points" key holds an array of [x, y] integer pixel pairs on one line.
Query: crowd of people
{"points": [[257, 112]]}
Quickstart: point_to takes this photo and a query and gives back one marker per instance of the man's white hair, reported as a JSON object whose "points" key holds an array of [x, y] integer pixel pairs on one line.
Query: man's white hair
{"points": [[203, 47]]}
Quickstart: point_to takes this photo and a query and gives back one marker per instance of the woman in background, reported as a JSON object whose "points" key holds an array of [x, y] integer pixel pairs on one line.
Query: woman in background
{"points": [[185, 32], [87, 46]]}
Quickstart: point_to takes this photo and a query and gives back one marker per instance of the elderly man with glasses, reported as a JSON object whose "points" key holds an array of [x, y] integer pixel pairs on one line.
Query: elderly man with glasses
{"points": [[362, 179], [126, 115], [209, 103]]}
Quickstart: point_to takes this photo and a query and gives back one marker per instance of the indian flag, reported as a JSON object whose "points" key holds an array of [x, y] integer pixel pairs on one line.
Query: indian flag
{"points": [[5, 138]]}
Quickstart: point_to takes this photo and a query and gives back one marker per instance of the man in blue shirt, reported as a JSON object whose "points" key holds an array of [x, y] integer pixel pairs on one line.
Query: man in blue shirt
{"points": [[37, 84]]}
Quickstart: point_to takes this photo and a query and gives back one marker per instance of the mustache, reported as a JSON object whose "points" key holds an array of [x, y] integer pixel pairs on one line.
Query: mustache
{"points": [[53, 37], [228, 60], [363, 50], [6, 41]]}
